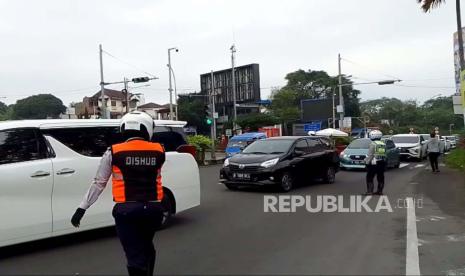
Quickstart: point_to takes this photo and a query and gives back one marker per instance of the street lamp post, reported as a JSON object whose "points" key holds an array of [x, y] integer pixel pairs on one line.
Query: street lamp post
{"points": [[233, 56], [170, 89], [450, 128]]}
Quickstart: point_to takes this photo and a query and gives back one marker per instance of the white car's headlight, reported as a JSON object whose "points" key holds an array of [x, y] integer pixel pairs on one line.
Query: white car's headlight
{"points": [[269, 163], [226, 162]]}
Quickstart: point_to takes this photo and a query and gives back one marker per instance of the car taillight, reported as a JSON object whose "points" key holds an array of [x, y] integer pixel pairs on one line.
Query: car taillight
{"points": [[187, 149]]}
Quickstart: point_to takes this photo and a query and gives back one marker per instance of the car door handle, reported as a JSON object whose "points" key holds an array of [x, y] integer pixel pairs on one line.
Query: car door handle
{"points": [[65, 171], [40, 174]]}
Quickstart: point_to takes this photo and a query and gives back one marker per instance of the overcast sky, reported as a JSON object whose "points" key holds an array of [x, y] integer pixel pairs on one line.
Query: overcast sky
{"points": [[52, 46]]}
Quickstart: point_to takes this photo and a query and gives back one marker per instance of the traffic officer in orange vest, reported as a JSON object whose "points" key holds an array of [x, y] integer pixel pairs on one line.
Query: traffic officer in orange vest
{"points": [[135, 167]]}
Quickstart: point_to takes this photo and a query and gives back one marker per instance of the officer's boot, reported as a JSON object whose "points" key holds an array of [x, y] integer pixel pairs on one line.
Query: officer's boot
{"points": [[134, 271]]}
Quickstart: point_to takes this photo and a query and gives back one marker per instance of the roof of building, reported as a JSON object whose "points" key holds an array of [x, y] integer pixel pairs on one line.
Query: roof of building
{"points": [[150, 105], [110, 93]]}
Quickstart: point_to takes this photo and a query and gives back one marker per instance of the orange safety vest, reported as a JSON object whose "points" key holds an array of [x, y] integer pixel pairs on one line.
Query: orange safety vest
{"points": [[136, 166]]}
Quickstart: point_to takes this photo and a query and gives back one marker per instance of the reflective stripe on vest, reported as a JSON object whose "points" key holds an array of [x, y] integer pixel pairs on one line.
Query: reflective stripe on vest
{"points": [[136, 167], [380, 149]]}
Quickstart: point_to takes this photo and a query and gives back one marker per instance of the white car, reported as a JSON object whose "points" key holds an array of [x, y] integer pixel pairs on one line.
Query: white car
{"points": [[451, 140], [410, 145], [46, 166]]}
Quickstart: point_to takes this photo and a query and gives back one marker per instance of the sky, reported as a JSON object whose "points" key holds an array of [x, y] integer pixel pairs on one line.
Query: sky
{"points": [[51, 46]]}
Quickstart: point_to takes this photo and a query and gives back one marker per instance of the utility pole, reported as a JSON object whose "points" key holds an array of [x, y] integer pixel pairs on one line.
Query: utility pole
{"points": [[341, 98], [333, 91], [126, 93], [102, 86], [233, 53], [170, 89], [213, 126]]}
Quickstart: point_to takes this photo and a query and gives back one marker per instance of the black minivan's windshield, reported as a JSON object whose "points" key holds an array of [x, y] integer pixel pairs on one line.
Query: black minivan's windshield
{"points": [[360, 144], [269, 147]]}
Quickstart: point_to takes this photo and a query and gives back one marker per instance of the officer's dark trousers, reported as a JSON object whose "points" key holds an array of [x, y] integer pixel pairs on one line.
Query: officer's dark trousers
{"points": [[377, 170], [136, 223]]}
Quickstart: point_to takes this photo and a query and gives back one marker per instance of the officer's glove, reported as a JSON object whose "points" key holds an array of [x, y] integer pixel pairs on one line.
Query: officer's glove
{"points": [[76, 219]]}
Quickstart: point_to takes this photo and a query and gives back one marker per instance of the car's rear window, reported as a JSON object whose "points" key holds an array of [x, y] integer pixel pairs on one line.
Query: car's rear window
{"points": [[360, 144]]}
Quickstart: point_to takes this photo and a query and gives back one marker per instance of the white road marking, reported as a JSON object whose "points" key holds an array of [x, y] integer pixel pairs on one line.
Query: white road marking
{"points": [[412, 261], [403, 165], [456, 238], [419, 165], [460, 271]]}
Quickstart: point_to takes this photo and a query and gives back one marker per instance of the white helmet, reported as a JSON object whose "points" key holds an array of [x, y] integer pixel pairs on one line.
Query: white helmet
{"points": [[375, 135], [138, 121]]}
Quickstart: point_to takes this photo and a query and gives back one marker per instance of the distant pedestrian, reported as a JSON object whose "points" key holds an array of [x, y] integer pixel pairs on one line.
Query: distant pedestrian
{"points": [[433, 148], [375, 162]]}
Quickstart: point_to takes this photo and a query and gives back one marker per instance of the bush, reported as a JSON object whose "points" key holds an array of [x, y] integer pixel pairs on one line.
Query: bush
{"points": [[201, 143], [456, 159]]}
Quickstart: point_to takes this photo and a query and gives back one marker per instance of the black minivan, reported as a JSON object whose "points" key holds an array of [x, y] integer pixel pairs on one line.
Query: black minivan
{"points": [[282, 161]]}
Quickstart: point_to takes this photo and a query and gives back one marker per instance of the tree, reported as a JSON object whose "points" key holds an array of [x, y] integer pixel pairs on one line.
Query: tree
{"points": [[3, 108], [284, 108], [402, 115], [428, 5], [41, 106], [318, 84], [254, 121], [192, 110]]}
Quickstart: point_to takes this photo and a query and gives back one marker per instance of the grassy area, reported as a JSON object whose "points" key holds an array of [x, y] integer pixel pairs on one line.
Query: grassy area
{"points": [[456, 159]]}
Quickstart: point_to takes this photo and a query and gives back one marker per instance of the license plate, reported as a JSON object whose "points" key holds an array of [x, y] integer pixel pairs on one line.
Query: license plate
{"points": [[241, 175], [359, 162]]}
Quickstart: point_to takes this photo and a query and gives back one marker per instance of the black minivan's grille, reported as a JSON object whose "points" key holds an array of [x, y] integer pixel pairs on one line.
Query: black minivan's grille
{"points": [[244, 167]]}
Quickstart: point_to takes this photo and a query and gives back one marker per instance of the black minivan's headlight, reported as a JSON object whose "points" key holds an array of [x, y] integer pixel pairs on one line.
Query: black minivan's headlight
{"points": [[269, 163]]}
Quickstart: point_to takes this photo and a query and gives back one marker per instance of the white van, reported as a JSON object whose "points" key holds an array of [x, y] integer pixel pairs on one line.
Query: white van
{"points": [[46, 166], [410, 145]]}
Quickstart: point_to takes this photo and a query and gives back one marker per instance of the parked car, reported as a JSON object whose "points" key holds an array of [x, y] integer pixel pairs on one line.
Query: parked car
{"points": [[46, 167], [453, 141], [353, 157], [282, 161], [239, 142], [410, 145], [426, 137]]}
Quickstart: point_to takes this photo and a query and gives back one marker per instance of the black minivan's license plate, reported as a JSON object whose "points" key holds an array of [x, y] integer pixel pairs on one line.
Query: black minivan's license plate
{"points": [[241, 175]]}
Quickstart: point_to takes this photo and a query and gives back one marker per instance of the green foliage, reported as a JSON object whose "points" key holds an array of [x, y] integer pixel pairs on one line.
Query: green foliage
{"points": [[200, 142], [456, 159], [38, 107], [318, 84], [403, 115], [192, 110], [342, 141], [3, 108], [255, 121]]}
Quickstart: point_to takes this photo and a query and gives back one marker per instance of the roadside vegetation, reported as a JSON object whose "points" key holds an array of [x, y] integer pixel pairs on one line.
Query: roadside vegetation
{"points": [[456, 158]]}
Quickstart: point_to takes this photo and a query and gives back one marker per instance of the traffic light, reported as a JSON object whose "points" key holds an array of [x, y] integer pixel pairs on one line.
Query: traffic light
{"points": [[208, 114], [141, 79]]}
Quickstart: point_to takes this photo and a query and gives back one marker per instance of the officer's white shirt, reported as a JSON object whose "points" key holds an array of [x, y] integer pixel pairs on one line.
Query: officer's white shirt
{"points": [[100, 181]]}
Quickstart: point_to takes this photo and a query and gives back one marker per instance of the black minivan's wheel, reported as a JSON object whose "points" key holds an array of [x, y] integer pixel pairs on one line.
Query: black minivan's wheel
{"points": [[330, 175], [167, 204], [231, 187], [287, 182]]}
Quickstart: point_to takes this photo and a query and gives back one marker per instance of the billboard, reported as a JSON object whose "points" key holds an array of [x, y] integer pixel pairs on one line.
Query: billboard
{"points": [[316, 110]]}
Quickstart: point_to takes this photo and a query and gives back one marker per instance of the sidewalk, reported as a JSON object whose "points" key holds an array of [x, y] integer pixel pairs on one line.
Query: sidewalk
{"points": [[441, 221]]}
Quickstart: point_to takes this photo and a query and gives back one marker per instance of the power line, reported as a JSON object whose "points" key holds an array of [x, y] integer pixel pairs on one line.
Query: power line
{"points": [[428, 87], [129, 64], [371, 69]]}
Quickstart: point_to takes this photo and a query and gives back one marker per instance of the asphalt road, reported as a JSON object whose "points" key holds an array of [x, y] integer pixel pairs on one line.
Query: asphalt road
{"points": [[231, 234]]}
